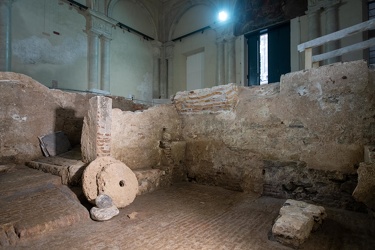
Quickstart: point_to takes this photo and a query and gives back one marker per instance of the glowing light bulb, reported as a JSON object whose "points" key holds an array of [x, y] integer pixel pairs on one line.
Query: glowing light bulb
{"points": [[223, 16]]}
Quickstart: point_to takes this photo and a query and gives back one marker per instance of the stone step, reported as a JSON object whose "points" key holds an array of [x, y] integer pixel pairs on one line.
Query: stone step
{"points": [[33, 202], [71, 170]]}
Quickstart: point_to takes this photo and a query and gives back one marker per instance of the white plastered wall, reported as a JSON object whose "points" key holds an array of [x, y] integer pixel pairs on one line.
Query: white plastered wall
{"points": [[131, 55], [193, 19], [37, 51]]}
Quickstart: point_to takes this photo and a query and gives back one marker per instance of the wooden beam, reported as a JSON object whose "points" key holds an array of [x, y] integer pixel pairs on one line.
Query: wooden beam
{"points": [[339, 52], [370, 24], [308, 58]]}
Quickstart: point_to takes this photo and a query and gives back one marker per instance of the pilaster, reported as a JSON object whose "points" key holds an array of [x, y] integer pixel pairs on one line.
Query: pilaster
{"points": [[156, 55], [5, 34], [99, 33]]}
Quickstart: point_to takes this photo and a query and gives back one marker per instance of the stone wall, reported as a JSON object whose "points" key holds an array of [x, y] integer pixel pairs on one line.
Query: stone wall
{"points": [[318, 119], [139, 138], [28, 109]]}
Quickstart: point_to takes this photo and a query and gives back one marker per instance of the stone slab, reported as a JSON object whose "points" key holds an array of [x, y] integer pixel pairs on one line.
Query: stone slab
{"points": [[365, 190], [54, 143], [296, 221], [70, 170]]}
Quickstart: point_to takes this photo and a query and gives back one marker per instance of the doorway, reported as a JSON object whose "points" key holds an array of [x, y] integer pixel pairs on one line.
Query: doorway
{"points": [[195, 71], [268, 54]]}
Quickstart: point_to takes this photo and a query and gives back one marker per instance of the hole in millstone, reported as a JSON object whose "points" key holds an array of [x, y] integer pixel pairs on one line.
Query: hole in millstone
{"points": [[122, 183]]}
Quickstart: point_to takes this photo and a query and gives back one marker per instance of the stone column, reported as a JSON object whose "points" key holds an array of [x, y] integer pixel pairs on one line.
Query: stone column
{"points": [[93, 60], [169, 59], [220, 62], [332, 25], [105, 64], [231, 60], [5, 35], [156, 70]]}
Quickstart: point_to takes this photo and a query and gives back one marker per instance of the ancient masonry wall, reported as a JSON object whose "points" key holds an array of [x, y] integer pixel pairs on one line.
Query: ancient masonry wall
{"points": [[28, 110], [96, 132], [302, 138]]}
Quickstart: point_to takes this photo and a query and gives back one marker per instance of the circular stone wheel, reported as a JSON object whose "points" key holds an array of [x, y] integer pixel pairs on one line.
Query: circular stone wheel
{"points": [[106, 175]]}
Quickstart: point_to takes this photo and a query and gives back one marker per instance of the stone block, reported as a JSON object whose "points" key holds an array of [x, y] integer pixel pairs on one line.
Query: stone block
{"points": [[148, 180], [296, 221], [365, 190], [369, 154], [96, 131], [292, 229]]}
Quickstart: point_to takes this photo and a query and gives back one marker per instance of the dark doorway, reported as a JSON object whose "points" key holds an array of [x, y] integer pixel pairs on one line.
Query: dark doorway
{"points": [[268, 54]]}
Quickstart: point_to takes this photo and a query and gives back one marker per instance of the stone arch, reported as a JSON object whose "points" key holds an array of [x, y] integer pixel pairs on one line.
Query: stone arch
{"points": [[112, 3]]}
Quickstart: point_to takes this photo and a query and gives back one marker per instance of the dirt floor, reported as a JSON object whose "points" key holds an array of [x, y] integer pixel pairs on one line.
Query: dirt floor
{"points": [[36, 212]]}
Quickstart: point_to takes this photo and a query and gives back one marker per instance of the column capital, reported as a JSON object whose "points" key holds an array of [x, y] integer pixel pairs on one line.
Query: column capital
{"points": [[224, 32], [156, 49], [169, 47], [99, 23]]}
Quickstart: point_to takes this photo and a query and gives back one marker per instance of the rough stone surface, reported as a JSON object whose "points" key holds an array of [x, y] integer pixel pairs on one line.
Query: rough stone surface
{"points": [[296, 221], [369, 154], [292, 229], [215, 99], [112, 177], [96, 131], [68, 166], [149, 180], [317, 213], [365, 190], [320, 117], [103, 214], [28, 109], [136, 136], [294, 180], [103, 201]]}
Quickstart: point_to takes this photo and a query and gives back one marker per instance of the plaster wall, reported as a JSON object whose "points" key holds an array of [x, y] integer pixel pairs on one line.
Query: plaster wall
{"points": [[43, 55], [193, 19], [60, 60], [131, 66], [191, 45]]}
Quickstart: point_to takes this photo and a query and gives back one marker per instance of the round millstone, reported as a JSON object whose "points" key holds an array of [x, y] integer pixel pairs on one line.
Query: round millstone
{"points": [[106, 175]]}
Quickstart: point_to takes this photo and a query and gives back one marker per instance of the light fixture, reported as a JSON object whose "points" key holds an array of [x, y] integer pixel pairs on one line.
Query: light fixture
{"points": [[223, 16]]}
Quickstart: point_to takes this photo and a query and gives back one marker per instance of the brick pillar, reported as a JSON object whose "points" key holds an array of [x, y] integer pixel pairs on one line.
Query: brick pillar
{"points": [[96, 131]]}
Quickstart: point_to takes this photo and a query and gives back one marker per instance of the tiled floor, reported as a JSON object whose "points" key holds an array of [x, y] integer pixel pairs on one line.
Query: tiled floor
{"points": [[187, 216]]}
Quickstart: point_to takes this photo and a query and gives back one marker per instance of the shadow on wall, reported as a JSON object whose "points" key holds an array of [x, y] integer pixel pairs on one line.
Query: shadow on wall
{"points": [[66, 133], [67, 121]]}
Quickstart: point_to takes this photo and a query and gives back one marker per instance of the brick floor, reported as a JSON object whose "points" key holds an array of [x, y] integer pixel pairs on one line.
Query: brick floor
{"points": [[191, 216]]}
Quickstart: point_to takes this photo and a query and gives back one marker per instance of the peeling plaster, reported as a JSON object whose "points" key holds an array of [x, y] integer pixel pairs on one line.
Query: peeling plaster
{"points": [[33, 50]]}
